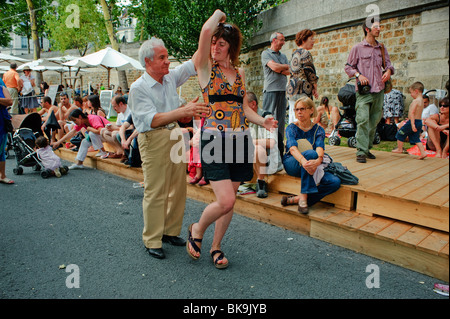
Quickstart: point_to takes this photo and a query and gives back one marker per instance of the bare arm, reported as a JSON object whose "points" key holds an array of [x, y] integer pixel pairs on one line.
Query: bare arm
{"points": [[201, 59]]}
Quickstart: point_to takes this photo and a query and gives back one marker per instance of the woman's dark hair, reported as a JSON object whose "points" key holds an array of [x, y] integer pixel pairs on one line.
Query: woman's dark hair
{"points": [[444, 101], [95, 101], [76, 114], [303, 35], [231, 34], [324, 101], [45, 85]]}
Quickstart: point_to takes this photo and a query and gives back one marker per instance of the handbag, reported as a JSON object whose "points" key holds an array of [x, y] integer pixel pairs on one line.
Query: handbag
{"points": [[341, 171], [388, 83]]}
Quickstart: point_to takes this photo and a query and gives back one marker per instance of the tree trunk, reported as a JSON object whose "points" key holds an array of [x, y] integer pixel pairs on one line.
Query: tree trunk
{"points": [[123, 82], [35, 37]]}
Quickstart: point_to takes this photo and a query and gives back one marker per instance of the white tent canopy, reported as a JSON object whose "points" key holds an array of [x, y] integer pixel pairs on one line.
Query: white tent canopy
{"points": [[107, 58]]}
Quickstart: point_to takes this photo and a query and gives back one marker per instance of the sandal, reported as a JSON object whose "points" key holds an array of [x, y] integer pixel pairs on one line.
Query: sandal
{"points": [[291, 200], [303, 207], [192, 241], [216, 264], [6, 180]]}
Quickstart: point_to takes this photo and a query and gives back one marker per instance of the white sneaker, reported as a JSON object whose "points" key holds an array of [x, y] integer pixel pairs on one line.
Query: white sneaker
{"points": [[101, 153], [57, 172], [76, 166]]}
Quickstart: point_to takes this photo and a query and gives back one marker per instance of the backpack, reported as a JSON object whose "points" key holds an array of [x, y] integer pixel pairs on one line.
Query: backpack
{"points": [[344, 174]]}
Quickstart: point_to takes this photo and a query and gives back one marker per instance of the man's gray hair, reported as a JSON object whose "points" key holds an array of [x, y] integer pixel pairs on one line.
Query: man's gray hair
{"points": [[147, 49], [274, 35]]}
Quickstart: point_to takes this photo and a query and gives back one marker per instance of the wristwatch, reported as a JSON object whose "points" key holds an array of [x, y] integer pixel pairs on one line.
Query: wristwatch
{"points": [[357, 74]]}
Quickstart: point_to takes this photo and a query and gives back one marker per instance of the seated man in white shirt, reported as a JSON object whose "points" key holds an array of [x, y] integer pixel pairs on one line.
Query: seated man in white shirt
{"points": [[428, 110], [109, 133], [267, 155]]}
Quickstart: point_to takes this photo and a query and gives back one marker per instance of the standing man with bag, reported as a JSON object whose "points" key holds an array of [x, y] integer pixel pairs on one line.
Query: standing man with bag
{"points": [[365, 62]]}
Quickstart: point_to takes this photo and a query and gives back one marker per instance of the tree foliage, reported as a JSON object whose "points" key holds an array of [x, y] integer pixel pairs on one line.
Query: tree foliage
{"points": [[76, 24], [178, 22], [15, 16]]}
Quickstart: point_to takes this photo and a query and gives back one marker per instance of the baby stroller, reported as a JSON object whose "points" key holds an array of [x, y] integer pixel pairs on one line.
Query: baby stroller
{"points": [[346, 127], [23, 143]]}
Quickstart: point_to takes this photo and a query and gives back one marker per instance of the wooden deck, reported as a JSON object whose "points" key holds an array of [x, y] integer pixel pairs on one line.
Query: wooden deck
{"points": [[398, 213]]}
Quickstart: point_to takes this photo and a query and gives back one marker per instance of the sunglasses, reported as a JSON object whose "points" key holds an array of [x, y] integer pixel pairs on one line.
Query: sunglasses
{"points": [[227, 27], [444, 105]]}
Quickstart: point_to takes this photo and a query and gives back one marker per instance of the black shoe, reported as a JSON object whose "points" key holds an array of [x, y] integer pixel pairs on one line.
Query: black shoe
{"points": [[156, 252], [361, 158], [371, 156], [174, 240], [261, 189]]}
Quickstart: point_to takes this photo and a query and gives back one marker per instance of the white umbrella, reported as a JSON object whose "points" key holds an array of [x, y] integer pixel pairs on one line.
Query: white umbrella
{"points": [[11, 58], [107, 58]]}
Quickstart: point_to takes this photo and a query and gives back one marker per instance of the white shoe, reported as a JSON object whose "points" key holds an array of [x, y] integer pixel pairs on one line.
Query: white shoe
{"points": [[76, 166], [57, 172], [101, 153]]}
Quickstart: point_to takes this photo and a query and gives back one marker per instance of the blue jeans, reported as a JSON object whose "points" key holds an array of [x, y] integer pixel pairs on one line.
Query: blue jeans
{"points": [[329, 183]]}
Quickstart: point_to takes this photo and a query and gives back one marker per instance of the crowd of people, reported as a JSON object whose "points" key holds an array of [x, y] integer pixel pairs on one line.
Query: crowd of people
{"points": [[228, 136]]}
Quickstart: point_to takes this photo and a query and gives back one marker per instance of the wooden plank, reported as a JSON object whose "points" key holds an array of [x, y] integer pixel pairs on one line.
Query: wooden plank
{"points": [[434, 243], [364, 243], [395, 230], [414, 236], [392, 182], [341, 217], [376, 225], [420, 214], [417, 184], [444, 251], [358, 221], [428, 189]]}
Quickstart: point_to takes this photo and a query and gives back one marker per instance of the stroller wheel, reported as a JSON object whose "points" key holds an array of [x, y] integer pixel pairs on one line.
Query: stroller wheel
{"points": [[377, 139], [45, 174], [334, 140], [18, 170], [351, 142]]}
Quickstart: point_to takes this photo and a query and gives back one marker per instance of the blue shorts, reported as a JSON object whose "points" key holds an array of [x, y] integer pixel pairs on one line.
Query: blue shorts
{"points": [[406, 131]]}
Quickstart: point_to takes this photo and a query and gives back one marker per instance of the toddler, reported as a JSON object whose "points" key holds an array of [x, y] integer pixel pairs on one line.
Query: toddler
{"points": [[413, 126], [48, 158]]}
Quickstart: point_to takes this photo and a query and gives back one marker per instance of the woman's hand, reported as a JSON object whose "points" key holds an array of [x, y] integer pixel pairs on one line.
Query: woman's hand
{"points": [[310, 165]]}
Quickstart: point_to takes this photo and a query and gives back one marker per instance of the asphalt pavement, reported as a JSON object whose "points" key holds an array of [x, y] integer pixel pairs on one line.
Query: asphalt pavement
{"points": [[79, 237]]}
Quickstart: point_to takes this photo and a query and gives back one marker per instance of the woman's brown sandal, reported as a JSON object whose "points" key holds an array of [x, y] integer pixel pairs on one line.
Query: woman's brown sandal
{"points": [[288, 200], [303, 207]]}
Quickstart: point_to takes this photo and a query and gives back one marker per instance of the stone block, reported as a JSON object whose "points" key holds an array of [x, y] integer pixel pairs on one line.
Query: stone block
{"points": [[437, 31]]}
